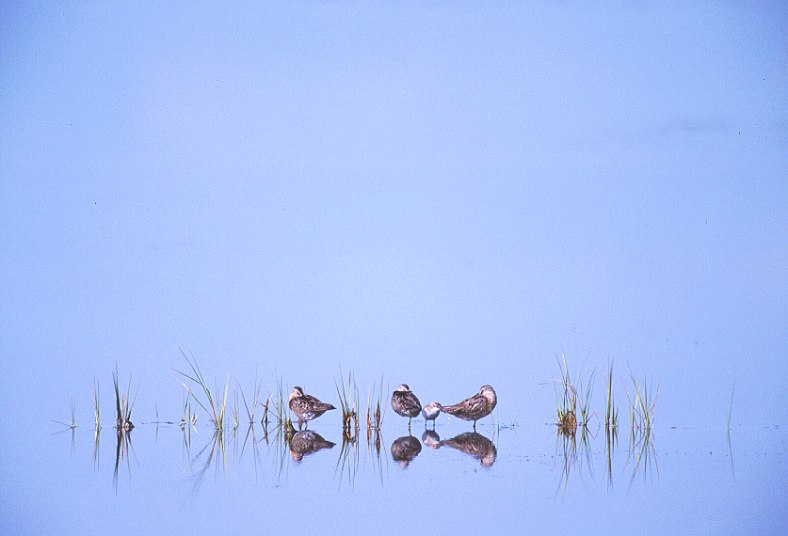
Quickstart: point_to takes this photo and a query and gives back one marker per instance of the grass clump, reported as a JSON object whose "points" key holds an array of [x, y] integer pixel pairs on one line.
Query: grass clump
{"points": [[611, 411], [573, 404], [376, 406], [214, 406], [123, 405], [642, 401], [566, 402], [348, 400]]}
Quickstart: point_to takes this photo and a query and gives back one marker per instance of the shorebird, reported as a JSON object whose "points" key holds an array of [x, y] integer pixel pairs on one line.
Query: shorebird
{"points": [[305, 443], [431, 412], [475, 445], [404, 449], [405, 403], [474, 408], [306, 407]]}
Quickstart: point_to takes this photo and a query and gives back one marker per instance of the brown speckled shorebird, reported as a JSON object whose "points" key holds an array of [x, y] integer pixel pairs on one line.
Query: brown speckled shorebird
{"points": [[306, 407], [405, 403], [476, 407]]}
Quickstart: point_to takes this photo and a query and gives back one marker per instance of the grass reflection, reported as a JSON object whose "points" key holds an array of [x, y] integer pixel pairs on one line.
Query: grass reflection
{"points": [[214, 454], [576, 456], [611, 438], [349, 457], [363, 454], [123, 446], [642, 456]]}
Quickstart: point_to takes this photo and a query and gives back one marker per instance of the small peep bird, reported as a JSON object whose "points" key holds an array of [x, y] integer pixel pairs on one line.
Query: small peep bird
{"points": [[474, 408], [431, 412], [405, 403], [306, 407]]}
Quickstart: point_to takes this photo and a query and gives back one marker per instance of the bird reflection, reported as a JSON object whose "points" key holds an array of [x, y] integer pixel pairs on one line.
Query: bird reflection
{"points": [[431, 439], [404, 449], [307, 442], [474, 444]]}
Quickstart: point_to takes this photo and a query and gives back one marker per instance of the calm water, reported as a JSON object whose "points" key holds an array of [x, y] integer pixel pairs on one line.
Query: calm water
{"points": [[161, 479]]}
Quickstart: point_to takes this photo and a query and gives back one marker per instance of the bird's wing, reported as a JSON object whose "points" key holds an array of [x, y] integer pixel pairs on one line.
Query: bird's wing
{"points": [[475, 404], [411, 402], [314, 403]]}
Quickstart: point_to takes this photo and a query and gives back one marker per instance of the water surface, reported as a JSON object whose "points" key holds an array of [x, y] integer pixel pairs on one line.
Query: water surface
{"points": [[162, 479]]}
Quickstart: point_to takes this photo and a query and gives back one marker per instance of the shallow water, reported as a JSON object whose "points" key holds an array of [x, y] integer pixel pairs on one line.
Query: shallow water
{"points": [[162, 479]]}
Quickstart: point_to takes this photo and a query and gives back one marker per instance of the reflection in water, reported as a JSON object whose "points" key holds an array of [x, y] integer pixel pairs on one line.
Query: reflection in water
{"points": [[431, 439], [475, 445], [574, 454], [96, 441], [305, 443], [611, 438], [376, 451], [404, 449], [566, 443], [214, 446], [250, 433], [348, 460], [121, 453], [642, 455]]}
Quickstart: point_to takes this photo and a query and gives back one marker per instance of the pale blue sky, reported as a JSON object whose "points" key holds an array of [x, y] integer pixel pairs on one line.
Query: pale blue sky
{"points": [[446, 193]]}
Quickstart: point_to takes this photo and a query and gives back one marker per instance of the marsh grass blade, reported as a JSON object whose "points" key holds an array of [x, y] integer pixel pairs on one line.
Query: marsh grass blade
{"points": [[73, 424], [96, 406], [251, 409]]}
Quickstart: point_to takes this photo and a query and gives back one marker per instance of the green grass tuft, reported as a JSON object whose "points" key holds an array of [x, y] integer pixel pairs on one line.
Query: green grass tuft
{"points": [[348, 400], [214, 406], [123, 404], [642, 402], [611, 411]]}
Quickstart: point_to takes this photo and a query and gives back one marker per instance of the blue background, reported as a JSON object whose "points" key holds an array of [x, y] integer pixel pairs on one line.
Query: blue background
{"points": [[448, 194]]}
